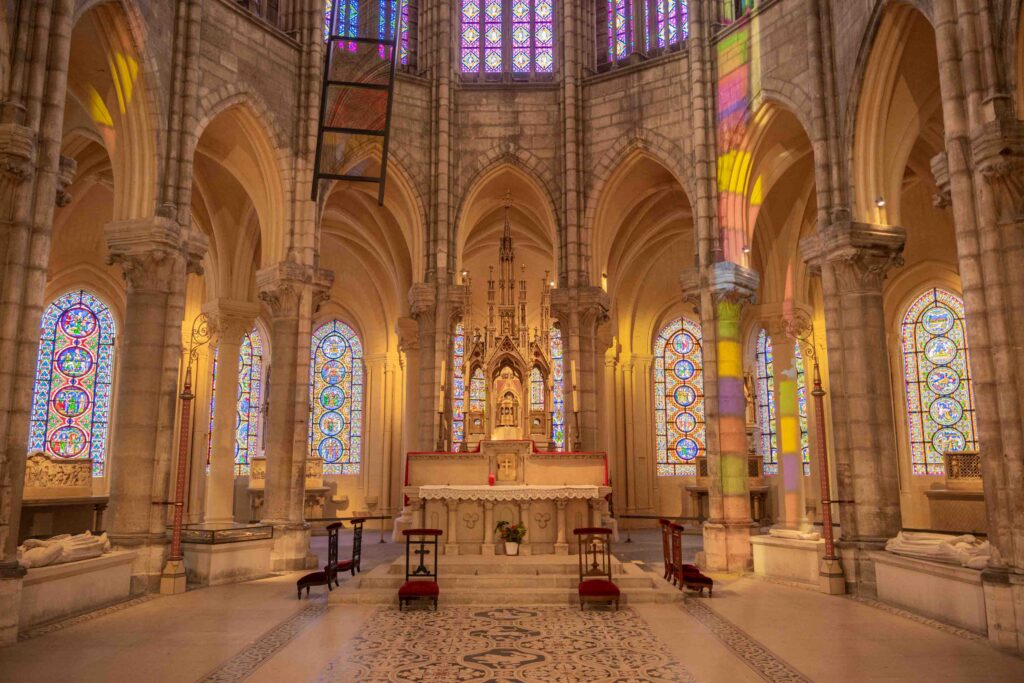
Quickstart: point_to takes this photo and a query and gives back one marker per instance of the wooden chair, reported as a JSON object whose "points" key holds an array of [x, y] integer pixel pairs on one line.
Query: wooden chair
{"points": [[595, 557], [330, 572], [675, 532], [420, 580], [687, 575], [666, 545], [352, 565]]}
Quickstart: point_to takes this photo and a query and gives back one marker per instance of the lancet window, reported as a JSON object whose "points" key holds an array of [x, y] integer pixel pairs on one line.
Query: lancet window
{"points": [[937, 376], [336, 397], [679, 398], [557, 388], [250, 391], [478, 392], [766, 404], [628, 27], [458, 387], [74, 369], [536, 389], [387, 15], [500, 37], [801, 403]]}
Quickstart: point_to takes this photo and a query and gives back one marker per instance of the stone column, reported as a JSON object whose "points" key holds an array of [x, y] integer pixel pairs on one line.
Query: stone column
{"points": [[524, 517], [722, 292], [561, 546], [854, 259], [426, 383], [230, 321], [790, 481], [451, 541], [289, 289], [487, 547], [150, 254]]}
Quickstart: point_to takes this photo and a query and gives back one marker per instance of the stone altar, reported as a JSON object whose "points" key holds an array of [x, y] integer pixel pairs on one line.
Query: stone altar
{"points": [[467, 494]]}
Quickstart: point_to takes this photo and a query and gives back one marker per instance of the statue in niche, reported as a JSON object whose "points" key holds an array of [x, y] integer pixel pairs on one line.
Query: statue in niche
{"points": [[507, 411], [748, 396]]}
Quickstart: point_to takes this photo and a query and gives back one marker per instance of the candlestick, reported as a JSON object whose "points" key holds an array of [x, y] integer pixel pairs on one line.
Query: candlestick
{"points": [[572, 370]]}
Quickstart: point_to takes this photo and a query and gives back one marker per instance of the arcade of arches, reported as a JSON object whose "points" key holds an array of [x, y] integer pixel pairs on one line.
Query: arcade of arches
{"points": [[763, 258]]}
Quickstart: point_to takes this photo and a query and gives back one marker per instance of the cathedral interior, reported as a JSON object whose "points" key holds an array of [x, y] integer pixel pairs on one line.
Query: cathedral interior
{"points": [[527, 340]]}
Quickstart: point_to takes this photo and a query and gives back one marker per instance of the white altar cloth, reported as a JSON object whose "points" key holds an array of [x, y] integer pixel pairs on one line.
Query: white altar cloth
{"points": [[510, 493]]}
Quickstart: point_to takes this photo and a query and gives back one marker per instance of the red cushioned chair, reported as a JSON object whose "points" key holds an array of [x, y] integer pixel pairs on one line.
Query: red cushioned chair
{"points": [[666, 547], [420, 579], [595, 555], [352, 565], [330, 572], [675, 560], [687, 575]]}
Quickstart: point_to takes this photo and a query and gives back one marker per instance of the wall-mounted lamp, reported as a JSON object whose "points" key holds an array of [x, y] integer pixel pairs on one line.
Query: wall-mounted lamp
{"points": [[880, 202]]}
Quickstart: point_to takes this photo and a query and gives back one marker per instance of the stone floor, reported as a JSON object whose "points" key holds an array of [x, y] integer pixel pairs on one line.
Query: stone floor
{"points": [[750, 631]]}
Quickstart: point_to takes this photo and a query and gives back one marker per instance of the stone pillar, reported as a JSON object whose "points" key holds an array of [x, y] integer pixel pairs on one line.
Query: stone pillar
{"points": [[722, 292], [561, 546], [524, 517], [790, 480], [289, 289], [451, 541], [854, 259], [150, 254], [230, 321], [425, 384], [487, 547]]}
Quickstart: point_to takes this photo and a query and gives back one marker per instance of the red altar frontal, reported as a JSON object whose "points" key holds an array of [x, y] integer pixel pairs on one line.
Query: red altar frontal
{"points": [[468, 494]]}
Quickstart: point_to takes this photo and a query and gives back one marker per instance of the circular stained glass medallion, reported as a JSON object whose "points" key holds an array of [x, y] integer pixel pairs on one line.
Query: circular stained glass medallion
{"points": [[946, 411], [948, 440], [78, 322], [74, 361], [685, 422], [940, 350], [71, 401], [331, 449], [332, 423], [937, 320], [683, 344], [333, 346], [943, 380], [686, 449], [333, 372], [67, 441], [684, 395], [684, 369], [331, 398]]}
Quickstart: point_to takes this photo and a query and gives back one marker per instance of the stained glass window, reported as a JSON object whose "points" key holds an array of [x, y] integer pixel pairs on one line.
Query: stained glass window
{"points": [[801, 402], [940, 398], [250, 389], [536, 389], [557, 388], [336, 397], [72, 391], [671, 22], [507, 36], [478, 392], [766, 404], [213, 404], [679, 398], [458, 387], [387, 18], [620, 29]]}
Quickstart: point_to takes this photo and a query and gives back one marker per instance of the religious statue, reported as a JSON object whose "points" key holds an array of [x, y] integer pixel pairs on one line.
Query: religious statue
{"points": [[507, 411]]}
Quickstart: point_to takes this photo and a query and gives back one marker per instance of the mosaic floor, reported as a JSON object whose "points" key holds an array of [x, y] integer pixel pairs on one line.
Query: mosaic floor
{"points": [[511, 645]]}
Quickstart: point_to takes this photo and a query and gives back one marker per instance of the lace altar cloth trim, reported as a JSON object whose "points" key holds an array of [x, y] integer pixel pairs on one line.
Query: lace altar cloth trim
{"points": [[506, 493]]}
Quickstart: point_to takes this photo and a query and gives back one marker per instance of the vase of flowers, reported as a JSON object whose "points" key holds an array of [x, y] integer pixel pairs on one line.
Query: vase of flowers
{"points": [[512, 535]]}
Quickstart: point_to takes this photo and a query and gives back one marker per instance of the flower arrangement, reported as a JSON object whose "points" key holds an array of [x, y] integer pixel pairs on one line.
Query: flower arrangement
{"points": [[511, 533]]}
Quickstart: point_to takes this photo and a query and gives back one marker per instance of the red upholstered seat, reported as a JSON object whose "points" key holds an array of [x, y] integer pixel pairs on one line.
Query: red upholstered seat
{"points": [[691, 577], [344, 565], [598, 588], [419, 589]]}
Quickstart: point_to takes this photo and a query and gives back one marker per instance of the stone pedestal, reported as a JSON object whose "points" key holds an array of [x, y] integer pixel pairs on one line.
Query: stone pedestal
{"points": [[63, 590], [789, 559], [11, 579], [948, 593], [212, 565]]}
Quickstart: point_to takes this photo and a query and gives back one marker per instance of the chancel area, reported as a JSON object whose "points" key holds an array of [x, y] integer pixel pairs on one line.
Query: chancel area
{"points": [[511, 340]]}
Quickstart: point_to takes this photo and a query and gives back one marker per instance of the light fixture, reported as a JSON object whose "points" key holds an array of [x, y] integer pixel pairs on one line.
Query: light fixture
{"points": [[880, 202], [746, 249]]}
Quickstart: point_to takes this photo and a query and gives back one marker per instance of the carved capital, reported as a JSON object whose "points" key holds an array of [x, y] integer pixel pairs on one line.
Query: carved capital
{"points": [[590, 304], [196, 246], [323, 280], [408, 331], [690, 286], [943, 196], [458, 301], [732, 283], [998, 152], [149, 252], [230, 320], [281, 287], [17, 152], [423, 304], [65, 176], [859, 254]]}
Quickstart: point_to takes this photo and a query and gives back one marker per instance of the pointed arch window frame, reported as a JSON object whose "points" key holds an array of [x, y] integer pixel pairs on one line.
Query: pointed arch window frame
{"points": [[327, 362], [679, 409], [507, 40], [55, 408], [458, 384], [766, 407], [557, 351]]}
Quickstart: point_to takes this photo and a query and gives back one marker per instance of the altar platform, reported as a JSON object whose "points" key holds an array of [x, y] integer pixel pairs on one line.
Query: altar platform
{"points": [[501, 581]]}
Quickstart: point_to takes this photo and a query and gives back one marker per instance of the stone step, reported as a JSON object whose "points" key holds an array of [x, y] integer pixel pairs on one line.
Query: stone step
{"points": [[514, 596], [498, 583], [526, 566]]}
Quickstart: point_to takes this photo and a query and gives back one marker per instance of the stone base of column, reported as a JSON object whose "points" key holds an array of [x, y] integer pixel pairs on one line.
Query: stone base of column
{"points": [[561, 549], [831, 580], [451, 548], [487, 549], [859, 567], [291, 548], [1004, 608], [148, 566], [173, 581], [727, 546], [11, 574]]}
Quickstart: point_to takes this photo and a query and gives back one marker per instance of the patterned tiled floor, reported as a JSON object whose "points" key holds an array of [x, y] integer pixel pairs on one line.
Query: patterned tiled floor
{"points": [[511, 645]]}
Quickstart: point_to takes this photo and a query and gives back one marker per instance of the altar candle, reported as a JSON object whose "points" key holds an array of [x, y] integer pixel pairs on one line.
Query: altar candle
{"points": [[440, 401], [490, 478]]}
